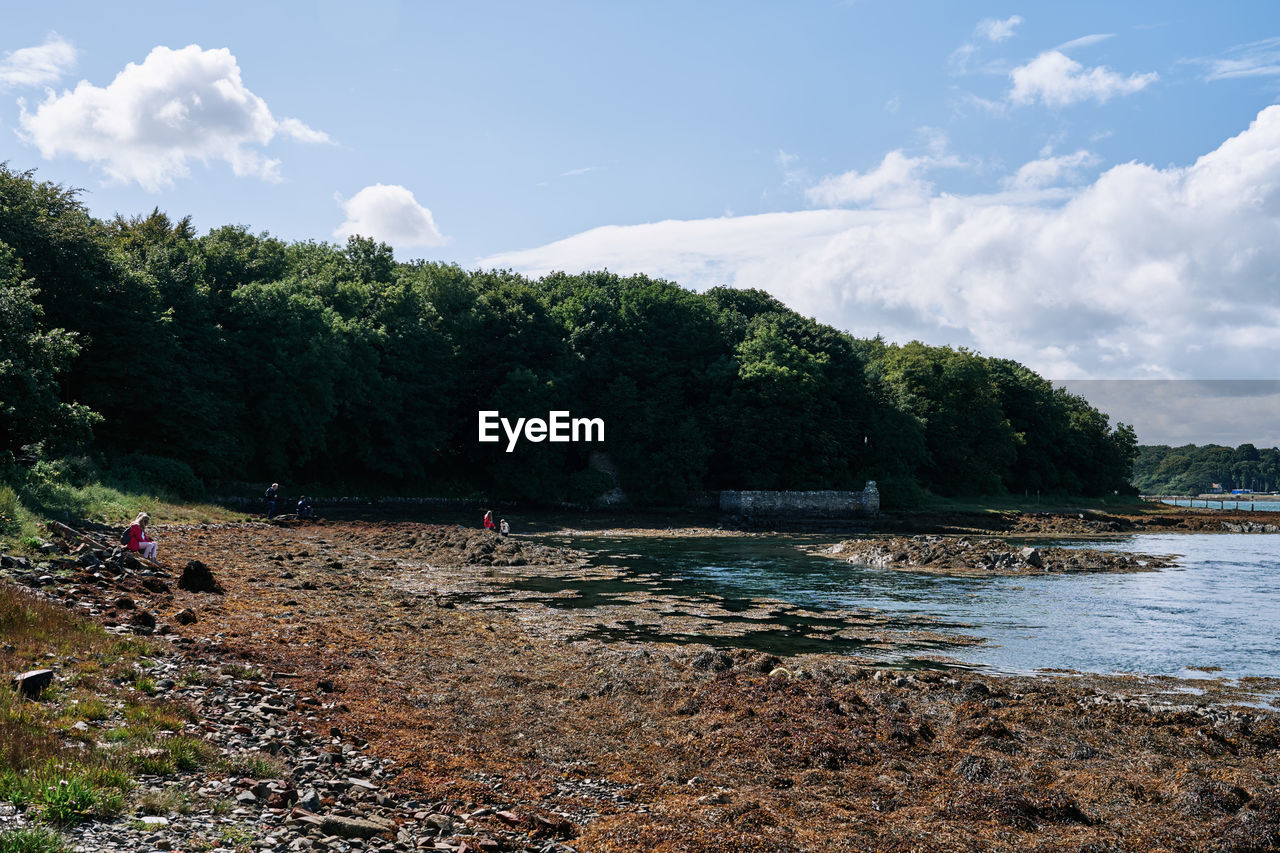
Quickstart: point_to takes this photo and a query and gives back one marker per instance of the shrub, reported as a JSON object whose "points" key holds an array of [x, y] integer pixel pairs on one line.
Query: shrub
{"points": [[9, 523], [147, 474]]}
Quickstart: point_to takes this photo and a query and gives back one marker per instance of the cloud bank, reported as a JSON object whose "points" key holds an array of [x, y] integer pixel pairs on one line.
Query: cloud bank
{"points": [[391, 214], [1143, 273], [156, 117]]}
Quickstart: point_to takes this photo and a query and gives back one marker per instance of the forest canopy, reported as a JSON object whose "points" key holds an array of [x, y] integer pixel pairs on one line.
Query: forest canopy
{"points": [[233, 356], [1198, 469]]}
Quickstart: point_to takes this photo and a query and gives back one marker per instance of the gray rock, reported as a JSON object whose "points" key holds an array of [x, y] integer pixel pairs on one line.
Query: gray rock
{"points": [[352, 827], [33, 682]]}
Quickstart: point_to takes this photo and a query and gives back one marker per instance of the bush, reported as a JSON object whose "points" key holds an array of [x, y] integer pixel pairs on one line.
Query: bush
{"points": [[897, 493], [152, 475], [48, 490], [9, 524]]}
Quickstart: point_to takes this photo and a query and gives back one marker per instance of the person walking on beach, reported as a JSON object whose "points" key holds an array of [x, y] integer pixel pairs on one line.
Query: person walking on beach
{"points": [[139, 541], [272, 494], [488, 520]]}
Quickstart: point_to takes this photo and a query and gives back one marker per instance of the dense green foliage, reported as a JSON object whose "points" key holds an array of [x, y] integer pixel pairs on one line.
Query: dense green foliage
{"points": [[235, 356], [1194, 470]]}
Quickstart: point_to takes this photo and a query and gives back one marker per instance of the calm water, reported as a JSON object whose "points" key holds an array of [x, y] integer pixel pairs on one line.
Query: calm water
{"points": [[1220, 608]]}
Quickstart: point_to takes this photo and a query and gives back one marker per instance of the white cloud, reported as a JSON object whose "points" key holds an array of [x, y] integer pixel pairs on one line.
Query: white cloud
{"points": [[993, 29], [1144, 272], [898, 181], [1085, 41], [39, 65], [1050, 171], [1256, 59], [390, 213], [155, 117], [1057, 80]]}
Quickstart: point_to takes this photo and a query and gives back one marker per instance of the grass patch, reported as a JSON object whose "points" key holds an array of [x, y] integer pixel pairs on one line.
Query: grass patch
{"points": [[32, 840], [255, 765], [60, 787], [237, 670], [164, 801]]}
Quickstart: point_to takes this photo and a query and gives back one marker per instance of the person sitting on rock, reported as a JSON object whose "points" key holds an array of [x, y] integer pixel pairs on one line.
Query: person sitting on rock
{"points": [[304, 507], [138, 539], [488, 520]]}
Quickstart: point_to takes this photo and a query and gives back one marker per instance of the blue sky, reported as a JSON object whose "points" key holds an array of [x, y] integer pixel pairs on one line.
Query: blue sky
{"points": [[1091, 188]]}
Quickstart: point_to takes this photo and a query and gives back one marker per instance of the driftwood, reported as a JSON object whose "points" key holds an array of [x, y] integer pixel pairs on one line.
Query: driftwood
{"points": [[71, 532]]}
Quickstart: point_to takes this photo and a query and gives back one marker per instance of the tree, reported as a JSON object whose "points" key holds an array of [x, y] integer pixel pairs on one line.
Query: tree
{"points": [[31, 359]]}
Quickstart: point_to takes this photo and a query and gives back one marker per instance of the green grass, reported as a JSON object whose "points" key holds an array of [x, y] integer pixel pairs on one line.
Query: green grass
{"points": [[32, 840], [165, 801], [61, 787], [255, 765], [67, 489]]}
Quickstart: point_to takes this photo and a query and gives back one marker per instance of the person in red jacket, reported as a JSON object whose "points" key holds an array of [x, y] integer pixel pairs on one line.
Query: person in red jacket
{"points": [[138, 539], [488, 520]]}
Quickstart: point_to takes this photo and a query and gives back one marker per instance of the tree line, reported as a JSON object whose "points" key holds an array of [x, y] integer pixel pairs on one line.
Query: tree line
{"points": [[233, 356], [1194, 470]]}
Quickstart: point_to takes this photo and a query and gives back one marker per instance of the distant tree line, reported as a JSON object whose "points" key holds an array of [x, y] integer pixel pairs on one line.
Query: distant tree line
{"points": [[234, 356], [1193, 470]]}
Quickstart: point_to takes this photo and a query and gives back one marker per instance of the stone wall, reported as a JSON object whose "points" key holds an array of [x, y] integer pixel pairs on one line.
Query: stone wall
{"points": [[825, 504]]}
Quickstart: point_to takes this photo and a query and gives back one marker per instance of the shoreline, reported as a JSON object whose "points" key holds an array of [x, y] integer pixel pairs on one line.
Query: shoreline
{"points": [[479, 705]]}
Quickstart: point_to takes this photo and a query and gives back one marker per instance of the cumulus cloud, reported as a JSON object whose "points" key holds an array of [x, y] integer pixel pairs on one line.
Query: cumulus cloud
{"points": [[1145, 272], [993, 29], [390, 213], [1057, 80], [1050, 171], [149, 123], [39, 65], [898, 181]]}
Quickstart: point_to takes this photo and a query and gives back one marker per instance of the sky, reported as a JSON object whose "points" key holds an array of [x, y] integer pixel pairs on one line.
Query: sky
{"points": [[1090, 188]]}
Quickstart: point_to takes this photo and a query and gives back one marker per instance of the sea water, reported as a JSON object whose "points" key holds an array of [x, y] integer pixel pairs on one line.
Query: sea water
{"points": [[1217, 610]]}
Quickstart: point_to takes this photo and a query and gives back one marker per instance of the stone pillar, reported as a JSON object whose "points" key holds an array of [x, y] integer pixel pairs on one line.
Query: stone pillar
{"points": [[871, 498]]}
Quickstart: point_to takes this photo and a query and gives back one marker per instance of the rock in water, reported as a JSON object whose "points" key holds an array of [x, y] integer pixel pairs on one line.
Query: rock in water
{"points": [[196, 577]]}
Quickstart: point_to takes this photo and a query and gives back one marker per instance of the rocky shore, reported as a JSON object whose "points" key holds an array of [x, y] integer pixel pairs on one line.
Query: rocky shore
{"points": [[959, 555], [360, 679]]}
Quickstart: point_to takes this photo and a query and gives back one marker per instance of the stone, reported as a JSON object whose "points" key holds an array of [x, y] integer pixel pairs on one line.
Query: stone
{"points": [[354, 827], [143, 622], [1031, 556], [32, 682], [197, 577]]}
